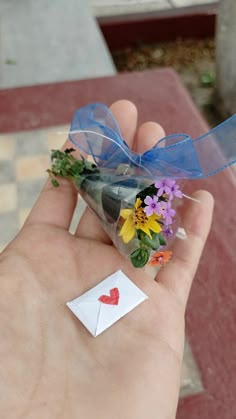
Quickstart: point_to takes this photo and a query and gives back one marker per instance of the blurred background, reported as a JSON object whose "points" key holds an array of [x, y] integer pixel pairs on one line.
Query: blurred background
{"points": [[55, 55], [46, 42]]}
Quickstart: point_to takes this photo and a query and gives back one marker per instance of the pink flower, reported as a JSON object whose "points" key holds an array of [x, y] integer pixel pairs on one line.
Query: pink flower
{"points": [[164, 186], [152, 205], [175, 191], [168, 213], [168, 231]]}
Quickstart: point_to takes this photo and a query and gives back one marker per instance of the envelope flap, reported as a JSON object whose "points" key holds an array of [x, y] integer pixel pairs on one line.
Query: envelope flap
{"points": [[103, 287], [87, 312], [109, 314]]}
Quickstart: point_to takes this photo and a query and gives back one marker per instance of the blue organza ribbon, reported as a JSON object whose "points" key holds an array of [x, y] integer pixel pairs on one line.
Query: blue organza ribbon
{"points": [[95, 131]]}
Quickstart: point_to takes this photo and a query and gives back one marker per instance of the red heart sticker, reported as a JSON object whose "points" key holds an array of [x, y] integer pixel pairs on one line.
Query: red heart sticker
{"points": [[112, 299]]}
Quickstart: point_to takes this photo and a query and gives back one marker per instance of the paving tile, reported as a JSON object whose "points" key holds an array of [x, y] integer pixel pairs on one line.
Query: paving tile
{"points": [[28, 192], [3, 246], [23, 214], [8, 197], [7, 171], [31, 143], [7, 147], [28, 168], [9, 226], [81, 205], [56, 140]]}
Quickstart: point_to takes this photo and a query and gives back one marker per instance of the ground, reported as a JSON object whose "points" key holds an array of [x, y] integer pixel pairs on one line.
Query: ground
{"points": [[194, 60]]}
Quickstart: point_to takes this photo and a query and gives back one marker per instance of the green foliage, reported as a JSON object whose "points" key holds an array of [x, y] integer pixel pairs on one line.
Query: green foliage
{"points": [[139, 257], [162, 239], [55, 183], [65, 165], [153, 243], [207, 79]]}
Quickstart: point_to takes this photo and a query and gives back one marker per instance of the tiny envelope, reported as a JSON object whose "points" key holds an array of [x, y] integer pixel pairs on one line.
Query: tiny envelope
{"points": [[106, 303]]}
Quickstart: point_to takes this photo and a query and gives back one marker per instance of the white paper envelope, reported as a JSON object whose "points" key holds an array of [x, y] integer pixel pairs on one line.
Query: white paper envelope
{"points": [[106, 303]]}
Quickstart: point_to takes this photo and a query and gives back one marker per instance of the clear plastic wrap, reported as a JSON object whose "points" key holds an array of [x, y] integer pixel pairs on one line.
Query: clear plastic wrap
{"points": [[135, 195]]}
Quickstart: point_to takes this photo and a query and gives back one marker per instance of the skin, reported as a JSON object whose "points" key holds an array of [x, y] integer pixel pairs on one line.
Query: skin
{"points": [[51, 367]]}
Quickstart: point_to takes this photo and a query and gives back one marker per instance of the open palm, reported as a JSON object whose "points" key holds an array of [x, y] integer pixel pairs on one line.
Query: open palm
{"points": [[53, 368]]}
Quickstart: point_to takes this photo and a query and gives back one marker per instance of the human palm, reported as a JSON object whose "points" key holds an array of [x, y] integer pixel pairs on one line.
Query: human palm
{"points": [[52, 366]]}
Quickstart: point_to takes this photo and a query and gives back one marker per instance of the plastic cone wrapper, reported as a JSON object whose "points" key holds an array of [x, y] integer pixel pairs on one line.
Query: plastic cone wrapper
{"points": [[135, 196], [118, 202]]}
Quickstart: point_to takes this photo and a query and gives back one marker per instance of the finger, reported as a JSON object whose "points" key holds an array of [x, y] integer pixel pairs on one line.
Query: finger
{"points": [[55, 206], [147, 136], [125, 113], [178, 274]]}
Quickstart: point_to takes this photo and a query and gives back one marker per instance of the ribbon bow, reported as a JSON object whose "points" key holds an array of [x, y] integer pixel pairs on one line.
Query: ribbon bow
{"points": [[95, 131]]}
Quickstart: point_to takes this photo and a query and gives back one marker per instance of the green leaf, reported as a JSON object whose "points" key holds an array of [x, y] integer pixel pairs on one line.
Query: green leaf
{"points": [[55, 183], [139, 257], [153, 243], [207, 79], [162, 239], [64, 164]]}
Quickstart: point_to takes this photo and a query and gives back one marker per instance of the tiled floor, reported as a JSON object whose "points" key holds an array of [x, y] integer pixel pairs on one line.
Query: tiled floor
{"points": [[24, 158]]}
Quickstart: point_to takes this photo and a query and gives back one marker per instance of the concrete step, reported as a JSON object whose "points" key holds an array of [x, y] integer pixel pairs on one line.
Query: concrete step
{"points": [[49, 41], [130, 8]]}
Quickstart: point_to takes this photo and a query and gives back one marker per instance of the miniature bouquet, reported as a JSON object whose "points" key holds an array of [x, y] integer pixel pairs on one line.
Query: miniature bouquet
{"points": [[135, 196]]}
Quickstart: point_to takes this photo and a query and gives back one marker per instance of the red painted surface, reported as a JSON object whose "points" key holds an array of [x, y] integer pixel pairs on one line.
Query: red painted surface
{"points": [[33, 107], [120, 34], [211, 313]]}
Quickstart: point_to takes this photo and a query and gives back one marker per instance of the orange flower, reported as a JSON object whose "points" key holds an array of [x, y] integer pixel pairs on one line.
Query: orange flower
{"points": [[160, 258]]}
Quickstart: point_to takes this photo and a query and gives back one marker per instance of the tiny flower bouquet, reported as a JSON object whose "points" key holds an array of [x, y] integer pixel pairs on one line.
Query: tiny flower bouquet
{"points": [[148, 222], [135, 196]]}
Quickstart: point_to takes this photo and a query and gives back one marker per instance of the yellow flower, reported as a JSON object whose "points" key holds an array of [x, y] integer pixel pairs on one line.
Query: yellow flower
{"points": [[136, 219]]}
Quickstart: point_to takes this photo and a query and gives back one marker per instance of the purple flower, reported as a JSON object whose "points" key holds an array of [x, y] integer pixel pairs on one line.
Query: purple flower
{"points": [[168, 213], [161, 206], [152, 205], [164, 186], [175, 191], [167, 230]]}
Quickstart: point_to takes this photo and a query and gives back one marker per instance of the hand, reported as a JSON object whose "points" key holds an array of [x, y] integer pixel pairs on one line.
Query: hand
{"points": [[51, 366]]}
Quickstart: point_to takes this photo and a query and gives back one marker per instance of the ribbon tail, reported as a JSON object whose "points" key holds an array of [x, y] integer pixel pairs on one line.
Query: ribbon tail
{"points": [[178, 159], [182, 157], [216, 150]]}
